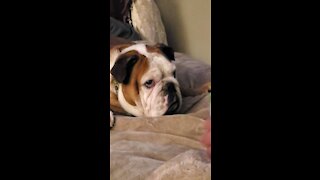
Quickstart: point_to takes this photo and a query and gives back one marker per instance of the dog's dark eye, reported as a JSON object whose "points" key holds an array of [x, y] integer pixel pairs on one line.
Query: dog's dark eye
{"points": [[149, 83]]}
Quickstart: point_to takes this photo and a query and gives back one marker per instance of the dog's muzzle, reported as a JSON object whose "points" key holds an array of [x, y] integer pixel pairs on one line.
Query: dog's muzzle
{"points": [[174, 101]]}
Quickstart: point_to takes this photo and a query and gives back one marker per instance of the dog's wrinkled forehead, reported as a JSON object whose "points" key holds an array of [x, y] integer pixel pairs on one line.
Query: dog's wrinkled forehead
{"points": [[151, 51], [140, 48]]}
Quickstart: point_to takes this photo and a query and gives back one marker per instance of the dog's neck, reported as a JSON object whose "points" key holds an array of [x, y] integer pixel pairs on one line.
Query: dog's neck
{"points": [[130, 109], [115, 105], [115, 86], [117, 98]]}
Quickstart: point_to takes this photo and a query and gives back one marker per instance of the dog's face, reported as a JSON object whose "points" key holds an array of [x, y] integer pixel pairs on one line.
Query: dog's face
{"points": [[146, 74]]}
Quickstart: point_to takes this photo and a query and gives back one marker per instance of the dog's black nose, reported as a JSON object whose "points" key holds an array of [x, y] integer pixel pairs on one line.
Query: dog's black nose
{"points": [[173, 101], [171, 91], [170, 87]]}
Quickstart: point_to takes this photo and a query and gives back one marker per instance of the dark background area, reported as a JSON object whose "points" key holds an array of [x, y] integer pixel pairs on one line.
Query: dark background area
{"points": [[264, 77], [54, 91]]}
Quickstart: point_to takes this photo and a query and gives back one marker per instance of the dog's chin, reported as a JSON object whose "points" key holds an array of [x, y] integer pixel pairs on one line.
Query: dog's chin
{"points": [[168, 106]]}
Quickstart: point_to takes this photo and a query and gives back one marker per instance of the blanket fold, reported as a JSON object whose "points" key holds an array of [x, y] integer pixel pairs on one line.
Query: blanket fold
{"points": [[166, 147]]}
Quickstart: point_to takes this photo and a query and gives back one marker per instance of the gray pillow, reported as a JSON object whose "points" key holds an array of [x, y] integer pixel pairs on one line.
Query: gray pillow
{"points": [[193, 75]]}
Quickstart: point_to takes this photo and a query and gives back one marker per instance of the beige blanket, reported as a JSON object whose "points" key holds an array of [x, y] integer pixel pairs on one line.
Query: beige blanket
{"points": [[163, 148]]}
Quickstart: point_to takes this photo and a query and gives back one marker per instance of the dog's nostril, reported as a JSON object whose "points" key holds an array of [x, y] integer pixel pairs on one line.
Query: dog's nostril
{"points": [[170, 87]]}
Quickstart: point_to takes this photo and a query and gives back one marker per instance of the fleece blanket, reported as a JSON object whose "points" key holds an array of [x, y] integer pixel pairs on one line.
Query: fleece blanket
{"points": [[166, 147]]}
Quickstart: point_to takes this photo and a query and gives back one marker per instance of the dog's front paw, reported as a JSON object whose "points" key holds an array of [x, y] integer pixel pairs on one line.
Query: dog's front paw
{"points": [[112, 120]]}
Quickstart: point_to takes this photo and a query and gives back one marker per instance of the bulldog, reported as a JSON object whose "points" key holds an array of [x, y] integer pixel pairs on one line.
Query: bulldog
{"points": [[142, 80]]}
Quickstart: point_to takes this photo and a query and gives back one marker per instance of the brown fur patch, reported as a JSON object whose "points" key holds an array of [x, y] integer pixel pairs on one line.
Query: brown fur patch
{"points": [[153, 49], [131, 90]]}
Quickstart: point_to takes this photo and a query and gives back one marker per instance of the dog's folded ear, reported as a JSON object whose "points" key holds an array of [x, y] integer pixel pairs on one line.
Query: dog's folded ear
{"points": [[167, 51], [123, 67]]}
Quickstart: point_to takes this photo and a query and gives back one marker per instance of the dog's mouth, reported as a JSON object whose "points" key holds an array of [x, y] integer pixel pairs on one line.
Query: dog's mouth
{"points": [[173, 106], [174, 101]]}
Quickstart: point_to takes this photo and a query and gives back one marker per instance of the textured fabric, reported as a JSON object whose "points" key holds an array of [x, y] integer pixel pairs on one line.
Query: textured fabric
{"points": [[162, 148], [120, 9], [143, 15], [194, 76], [120, 29], [146, 20]]}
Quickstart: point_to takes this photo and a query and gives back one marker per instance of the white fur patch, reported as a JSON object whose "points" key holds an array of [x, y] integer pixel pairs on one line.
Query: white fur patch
{"points": [[141, 48]]}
